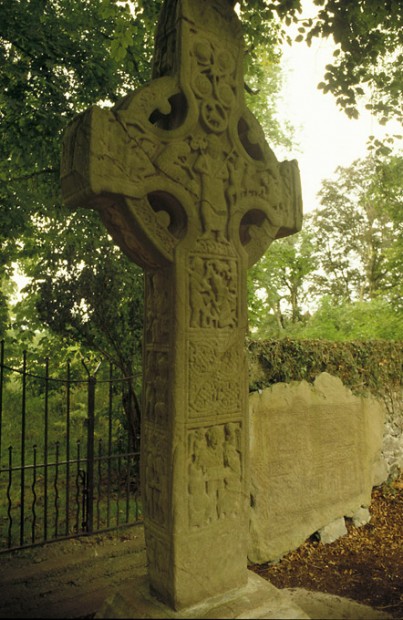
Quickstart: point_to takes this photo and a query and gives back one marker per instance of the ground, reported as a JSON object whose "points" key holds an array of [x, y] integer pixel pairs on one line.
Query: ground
{"points": [[71, 579], [366, 565]]}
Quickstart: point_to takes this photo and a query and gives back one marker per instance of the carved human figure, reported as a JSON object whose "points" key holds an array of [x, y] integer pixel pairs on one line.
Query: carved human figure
{"points": [[213, 461], [198, 498], [233, 472], [155, 493], [213, 170], [199, 293], [223, 308], [233, 191]]}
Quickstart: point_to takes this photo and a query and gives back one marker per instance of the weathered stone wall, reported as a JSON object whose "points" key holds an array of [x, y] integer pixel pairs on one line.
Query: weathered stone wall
{"points": [[316, 453]]}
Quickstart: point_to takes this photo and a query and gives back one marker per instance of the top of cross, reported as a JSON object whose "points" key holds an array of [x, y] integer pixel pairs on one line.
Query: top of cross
{"points": [[182, 160]]}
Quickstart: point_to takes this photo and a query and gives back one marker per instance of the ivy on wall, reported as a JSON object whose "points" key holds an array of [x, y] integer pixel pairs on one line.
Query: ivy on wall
{"points": [[372, 366]]}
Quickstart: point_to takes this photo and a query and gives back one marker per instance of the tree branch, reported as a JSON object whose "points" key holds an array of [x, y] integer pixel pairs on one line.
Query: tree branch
{"points": [[31, 175]]}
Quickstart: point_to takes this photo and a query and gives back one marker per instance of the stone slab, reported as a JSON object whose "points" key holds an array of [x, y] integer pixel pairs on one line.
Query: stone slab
{"points": [[258, 599], [313, 449]]}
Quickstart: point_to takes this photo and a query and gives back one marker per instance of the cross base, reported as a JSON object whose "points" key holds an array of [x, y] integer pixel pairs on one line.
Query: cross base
{"points": [[257, 599]]}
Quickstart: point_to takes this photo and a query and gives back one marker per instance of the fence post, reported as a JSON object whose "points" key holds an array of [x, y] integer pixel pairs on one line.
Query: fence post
{"points": [[23, 429], [90, 454]]}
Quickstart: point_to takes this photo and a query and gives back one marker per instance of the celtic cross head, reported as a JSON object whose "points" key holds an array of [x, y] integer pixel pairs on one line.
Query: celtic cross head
{"points": [[182, 160]]}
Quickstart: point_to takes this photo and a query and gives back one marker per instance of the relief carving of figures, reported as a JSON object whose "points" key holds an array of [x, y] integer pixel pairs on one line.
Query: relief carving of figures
{"points": [[212, 462], [221, 275], [213, 292], [233, 472], [214, 174], [215, 474], [140, 165], [199, 293], [156, 481], [198, 498], [174, 161]]}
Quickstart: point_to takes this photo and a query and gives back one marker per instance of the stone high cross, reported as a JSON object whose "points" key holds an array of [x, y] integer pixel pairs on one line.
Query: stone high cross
{"points": [[187, 186]]}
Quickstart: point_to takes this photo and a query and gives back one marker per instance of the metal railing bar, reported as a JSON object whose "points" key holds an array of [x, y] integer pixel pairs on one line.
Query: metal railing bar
{"points": [[104, 457], [23, 412], [59, 380]]}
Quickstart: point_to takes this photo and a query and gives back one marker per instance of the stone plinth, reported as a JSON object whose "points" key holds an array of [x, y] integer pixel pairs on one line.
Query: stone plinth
{"points": [[256, 599]]}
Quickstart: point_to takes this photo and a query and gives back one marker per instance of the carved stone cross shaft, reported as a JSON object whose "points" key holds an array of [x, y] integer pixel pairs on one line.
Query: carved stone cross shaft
{"points": [[187, 186]]}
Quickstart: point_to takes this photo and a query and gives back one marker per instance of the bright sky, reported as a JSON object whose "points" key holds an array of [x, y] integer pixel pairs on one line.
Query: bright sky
{"points": [[327, 137]]}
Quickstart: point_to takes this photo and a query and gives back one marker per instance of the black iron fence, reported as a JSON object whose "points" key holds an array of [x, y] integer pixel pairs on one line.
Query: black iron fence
{"points": [[68, 464]]}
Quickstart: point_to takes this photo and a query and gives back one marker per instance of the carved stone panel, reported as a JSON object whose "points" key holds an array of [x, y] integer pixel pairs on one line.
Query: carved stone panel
{"points": [[214, 474], [213, 368], [156, 478], [158, 308], [213, 298]]}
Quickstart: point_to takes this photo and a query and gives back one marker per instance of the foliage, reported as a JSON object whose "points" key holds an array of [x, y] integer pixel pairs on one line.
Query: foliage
{"points": [[83, 287], [277, 284], [3, 314], [87, 294], [373, 366], [59, 58], [388, 191], [53, 398], [376, 319], [263, 75], [355, 232], [368, 57], [263, 81], [340, 278]]}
